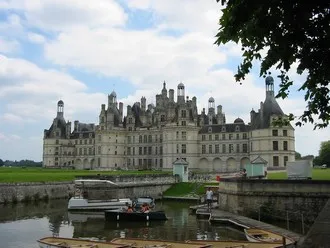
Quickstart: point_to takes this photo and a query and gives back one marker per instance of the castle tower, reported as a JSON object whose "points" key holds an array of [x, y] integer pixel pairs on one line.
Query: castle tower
{"points": [[60, 109], [112, 99], [164, 90], [180, 99], [143, 104], [211, 110]]}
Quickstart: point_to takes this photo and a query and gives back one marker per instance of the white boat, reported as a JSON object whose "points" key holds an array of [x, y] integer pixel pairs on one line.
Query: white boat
{"points": [[56, 242], [81, 202]]}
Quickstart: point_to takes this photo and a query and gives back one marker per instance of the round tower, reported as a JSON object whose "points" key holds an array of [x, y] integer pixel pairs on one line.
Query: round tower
{"points": [[60, 109], [180, 93]]}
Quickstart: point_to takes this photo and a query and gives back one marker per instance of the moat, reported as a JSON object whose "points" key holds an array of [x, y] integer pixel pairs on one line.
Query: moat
{"points": [[22, 224]]}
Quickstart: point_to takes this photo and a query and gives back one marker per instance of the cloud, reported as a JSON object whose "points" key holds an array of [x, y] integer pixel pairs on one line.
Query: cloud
{"points": [[8, 46], [36, 38], [9, 137]]}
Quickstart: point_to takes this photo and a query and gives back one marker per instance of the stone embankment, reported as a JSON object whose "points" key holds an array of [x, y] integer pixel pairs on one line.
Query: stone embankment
{"points": [[127, 186]]}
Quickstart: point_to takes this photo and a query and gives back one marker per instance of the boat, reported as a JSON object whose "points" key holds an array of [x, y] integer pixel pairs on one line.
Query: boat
{"points": [[119, 215], [58, 242], [138, 202], [139, 243], [260, 235], [80, 201], [235, 244]]}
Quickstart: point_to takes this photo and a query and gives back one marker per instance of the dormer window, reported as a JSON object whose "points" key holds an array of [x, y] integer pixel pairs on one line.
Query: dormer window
{"points": [[223, 129], [210, 130], [237, 128]]}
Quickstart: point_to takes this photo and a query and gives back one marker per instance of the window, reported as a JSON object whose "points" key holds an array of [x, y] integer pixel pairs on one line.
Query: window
{"points": [[130, 129], [183, 148], [130, 120], [231, 148], [245, 148], [223, 148], [162, 118], [183, 123], [102, 119], [150, 138], [145, 150], [149, 150], [128, 151], [216, 148], [285, 145], [237, 136], [210, 137], [145, 138], [223, 136], [237, 148], [99, 150], [210, 149], [230, 136], [133, 150], [183, 114], [115, 152], [156, 138], [160, 150], [223, 129], [140, 150], [99, 137], [56, 142], [90, 151], [80, 151], [285, 132], [203, 149], [177, 148], [237, 128], [156, 150], [210, 130], [140, 138], [177, 135], [244, 135], [184, 135], [216, 137], [275, 132], [203, 137], [251, 147], [275, 145], [76, 142], [85, 151], [285, 160], [90, 141], [275, 161], [85, 141]]}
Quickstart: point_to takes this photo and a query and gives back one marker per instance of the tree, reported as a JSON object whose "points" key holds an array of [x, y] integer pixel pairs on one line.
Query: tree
{"points": [[324, 153], [291, 32], [297, 155], [1, 162]]}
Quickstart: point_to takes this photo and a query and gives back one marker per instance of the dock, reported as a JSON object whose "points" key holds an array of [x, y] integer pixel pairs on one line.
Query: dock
{"points": [[218, 215]]}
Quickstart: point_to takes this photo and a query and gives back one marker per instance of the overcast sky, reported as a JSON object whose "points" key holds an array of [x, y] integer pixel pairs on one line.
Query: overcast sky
{"points": [[80, 51]]}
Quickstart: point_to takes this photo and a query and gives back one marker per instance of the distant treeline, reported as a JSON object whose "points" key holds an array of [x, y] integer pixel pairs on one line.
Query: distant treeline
{"points": [[21, 163]]}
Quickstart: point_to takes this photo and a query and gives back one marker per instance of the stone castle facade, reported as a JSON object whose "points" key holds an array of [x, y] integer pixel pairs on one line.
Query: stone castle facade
{"points": [[154, 136]]}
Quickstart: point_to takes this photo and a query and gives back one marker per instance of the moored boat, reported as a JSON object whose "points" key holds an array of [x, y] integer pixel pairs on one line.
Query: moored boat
{"points": [[236, 244], [260, 235], [119, 215], [157, 243], [57, 242], [81, 202]]}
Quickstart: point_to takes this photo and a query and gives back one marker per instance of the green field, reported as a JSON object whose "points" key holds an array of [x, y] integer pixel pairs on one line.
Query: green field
{"points": [[13, 175], [317, 174]]}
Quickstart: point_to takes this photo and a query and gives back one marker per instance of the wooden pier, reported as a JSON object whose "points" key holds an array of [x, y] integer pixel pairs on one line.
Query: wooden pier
{"points": [[246, 222]]}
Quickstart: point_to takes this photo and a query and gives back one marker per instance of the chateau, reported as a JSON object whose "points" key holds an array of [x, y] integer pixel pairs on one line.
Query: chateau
{"points": [[153, 137]]}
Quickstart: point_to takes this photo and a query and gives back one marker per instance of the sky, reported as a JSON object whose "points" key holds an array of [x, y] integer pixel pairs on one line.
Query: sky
{"points": [[80, 51]]}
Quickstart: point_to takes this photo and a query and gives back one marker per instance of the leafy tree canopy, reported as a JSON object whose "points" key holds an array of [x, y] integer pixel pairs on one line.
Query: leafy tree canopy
{"points": [[324, 153], [1, 162], [291, 32]]}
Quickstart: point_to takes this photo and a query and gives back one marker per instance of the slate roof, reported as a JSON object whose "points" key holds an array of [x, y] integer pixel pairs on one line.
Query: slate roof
{"points": [[180, 161], [259, 160], [229, 128]]}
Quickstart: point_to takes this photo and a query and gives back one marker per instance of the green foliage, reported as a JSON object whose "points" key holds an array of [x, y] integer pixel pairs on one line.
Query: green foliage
{"points": [[15, 174], [324, 153], [317, 174], [297, 155], [1, 162], [292, 32]]}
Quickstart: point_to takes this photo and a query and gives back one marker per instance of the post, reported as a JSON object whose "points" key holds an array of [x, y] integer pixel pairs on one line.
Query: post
{"points": [[302, 224], [283, 241], [287, 219], [259, 213]]}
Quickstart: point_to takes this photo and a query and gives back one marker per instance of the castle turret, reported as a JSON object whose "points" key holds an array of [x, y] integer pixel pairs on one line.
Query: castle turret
{"points": [[181, 93], [164, 90], [143, 104], [171, 95], [60, 109]]}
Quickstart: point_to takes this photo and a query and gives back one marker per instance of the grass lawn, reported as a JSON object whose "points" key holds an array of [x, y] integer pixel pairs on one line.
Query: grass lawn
{"points": [[19, 174], [317, 174]]}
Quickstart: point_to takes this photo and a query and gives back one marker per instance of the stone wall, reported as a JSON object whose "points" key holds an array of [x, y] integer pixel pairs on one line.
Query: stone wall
{"points": [[128, 186], [274, 198]]}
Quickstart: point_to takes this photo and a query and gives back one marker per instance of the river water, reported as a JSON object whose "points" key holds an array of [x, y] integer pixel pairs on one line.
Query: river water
{"points": [[22, 224]]}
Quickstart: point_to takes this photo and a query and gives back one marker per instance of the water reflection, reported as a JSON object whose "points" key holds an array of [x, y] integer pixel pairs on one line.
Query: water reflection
{"points": [[21, 225]]}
